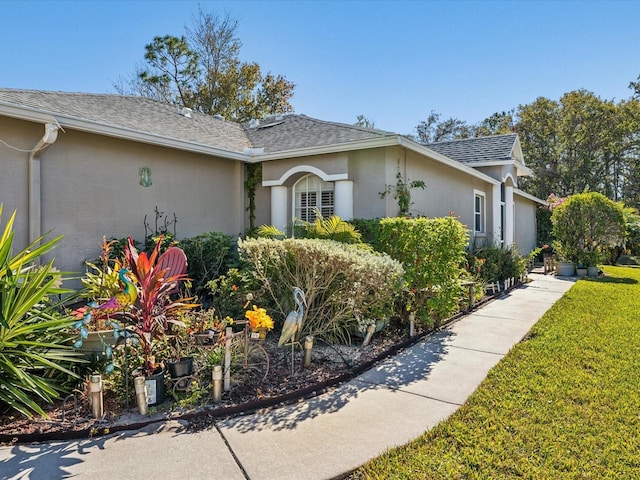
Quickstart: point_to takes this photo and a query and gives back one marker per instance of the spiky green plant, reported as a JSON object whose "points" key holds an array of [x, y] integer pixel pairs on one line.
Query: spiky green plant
{"points": [[330, 228], [34, 358]]}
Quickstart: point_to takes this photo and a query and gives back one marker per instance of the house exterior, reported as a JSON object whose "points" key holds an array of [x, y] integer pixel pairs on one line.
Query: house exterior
{"points": [[87, 166]]}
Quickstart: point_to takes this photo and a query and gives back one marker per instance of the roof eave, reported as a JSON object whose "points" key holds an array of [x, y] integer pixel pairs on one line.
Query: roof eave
{"points": [[25, 113], [530, 197], [522, 170], [90, 126]]}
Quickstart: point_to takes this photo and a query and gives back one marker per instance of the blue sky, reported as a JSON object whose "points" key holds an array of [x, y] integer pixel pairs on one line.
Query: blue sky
{"points": [[393, 62]]}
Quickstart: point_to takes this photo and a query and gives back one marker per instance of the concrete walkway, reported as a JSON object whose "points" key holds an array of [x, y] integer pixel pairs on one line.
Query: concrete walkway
{"points": [[319, 438]]}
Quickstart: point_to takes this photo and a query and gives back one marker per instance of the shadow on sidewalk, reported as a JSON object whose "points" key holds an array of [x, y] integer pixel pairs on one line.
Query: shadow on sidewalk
{"points": [[407, 367]]}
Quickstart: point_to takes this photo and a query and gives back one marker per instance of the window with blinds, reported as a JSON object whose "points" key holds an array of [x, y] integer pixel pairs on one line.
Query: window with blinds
{"points": [[311, 193]]}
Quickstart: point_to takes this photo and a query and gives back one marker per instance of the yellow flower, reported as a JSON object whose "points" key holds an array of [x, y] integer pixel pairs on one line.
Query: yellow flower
{"points": [[258, 318]]}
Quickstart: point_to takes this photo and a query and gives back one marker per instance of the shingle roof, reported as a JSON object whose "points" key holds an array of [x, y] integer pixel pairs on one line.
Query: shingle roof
{"points": [[136, 113], [288, 132], [475, 150]]}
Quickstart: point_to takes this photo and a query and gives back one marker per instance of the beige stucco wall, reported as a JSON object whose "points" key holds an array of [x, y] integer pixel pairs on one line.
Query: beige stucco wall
{"points": [[525, 224], [447, 190], [367, 169], [500, 172], [330, 164], [90, 188], [14, 172]]}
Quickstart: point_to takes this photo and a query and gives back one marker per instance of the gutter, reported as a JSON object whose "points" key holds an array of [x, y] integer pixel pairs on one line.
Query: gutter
{"points": [[35, 180], [528, 196], [91, 126]]}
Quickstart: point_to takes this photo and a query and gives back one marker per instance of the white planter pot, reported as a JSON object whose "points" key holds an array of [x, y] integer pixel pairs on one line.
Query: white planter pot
{"points": [[581, 271], [565, 269]]}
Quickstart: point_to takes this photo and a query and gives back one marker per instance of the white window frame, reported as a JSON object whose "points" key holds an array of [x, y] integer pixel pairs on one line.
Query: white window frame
{"points": [[478, 194], [325, 203]]}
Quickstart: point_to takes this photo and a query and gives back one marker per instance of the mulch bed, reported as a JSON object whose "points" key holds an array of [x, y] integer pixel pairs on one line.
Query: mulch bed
{"points": [[331, 365]]}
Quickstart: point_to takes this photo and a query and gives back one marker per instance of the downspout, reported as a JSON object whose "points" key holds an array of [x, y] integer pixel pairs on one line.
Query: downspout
{"points": [[35, 191]]}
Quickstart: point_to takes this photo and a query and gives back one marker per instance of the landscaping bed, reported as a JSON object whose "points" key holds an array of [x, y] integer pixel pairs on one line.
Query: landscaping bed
{"points": [[330, 366]]}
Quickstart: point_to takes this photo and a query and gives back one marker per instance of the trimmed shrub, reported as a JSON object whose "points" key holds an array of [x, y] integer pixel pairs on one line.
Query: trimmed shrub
{"points": [[346, 287], [432, 251]]}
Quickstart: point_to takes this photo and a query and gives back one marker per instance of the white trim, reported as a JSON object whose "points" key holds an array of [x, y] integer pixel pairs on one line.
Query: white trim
{"points": [[343, 199], [305, 169], [388, 141], [528, 196], [514, 181], [497, 214], [523, 171], [279, 207], [483, 212]]}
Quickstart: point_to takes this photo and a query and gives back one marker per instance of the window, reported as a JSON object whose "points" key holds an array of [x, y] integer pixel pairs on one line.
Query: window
{"points": [[310, 192], [479, 212]]}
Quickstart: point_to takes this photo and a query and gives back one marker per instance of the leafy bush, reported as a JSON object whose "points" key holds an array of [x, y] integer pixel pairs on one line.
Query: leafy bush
{"points": [[209, 255], [345, 286], [35, 361], [369, 230], [229, 292], [491, 263], [432, 251], [585, 225]]}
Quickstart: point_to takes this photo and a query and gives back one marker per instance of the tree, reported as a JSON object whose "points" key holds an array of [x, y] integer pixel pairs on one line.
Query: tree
{"points": [[635, 86], [203, 71], [585, 225], [435, 130], [581, 143], [173, 72], [364, 122], [497, 124]]}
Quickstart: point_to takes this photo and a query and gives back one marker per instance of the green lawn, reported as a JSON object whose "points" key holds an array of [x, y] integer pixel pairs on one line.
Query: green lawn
{"points": [[564, 403]]}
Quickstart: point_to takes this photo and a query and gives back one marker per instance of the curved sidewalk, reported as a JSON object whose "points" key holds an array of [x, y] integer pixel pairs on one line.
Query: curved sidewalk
{"points": [[322, 437]]}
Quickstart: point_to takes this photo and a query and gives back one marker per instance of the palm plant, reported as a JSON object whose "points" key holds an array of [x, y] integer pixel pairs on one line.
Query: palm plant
{"points": [[34, 358], [331, 228]]}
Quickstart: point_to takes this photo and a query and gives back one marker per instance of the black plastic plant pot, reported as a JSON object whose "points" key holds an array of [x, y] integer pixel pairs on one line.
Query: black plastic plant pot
{"points": [[181, 368], [155, 388]]}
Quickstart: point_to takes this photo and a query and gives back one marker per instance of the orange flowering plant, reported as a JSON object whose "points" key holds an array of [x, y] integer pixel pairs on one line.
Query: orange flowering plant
{"points": [[258, 318]]}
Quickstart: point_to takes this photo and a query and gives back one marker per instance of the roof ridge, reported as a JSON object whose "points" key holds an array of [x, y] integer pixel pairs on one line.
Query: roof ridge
{"points": [[347, 125], [470, 139]]}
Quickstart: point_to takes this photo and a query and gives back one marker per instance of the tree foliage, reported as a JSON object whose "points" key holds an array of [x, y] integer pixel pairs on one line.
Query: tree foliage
{"points": [[577, 143], [585, 225], [364, 122], [203, 71]]}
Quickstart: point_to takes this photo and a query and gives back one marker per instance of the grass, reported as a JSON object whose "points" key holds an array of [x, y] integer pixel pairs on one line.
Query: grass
{"points": [[564, 403]]}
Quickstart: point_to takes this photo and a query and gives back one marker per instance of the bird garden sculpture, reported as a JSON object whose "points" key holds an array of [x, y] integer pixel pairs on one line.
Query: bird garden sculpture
{"points": [[118, 303], [293, 322], [124, 298]]}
